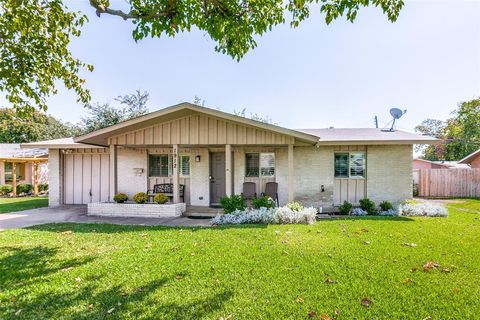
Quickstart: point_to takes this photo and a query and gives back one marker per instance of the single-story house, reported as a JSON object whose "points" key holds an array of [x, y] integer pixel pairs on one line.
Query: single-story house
{"points": [[418, 164], [20, 166], [472, 160], [212, 153]]}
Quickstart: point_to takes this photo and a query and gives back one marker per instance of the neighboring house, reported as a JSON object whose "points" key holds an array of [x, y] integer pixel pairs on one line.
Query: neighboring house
{"points": [[213, 153], [472, 160], [440, 164], [22, 166]]}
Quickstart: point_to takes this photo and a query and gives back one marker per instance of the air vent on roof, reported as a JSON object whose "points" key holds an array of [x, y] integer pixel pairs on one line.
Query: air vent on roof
{"points": [[396, 114]]}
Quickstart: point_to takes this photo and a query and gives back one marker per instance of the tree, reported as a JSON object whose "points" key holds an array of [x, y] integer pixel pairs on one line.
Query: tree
{"points": [[34, 34], [254, 116], [459, 135], [101, 115], [17, 128]]}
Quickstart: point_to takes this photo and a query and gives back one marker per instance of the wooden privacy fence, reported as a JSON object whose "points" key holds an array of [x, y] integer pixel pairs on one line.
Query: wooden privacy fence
{"points": [[449, 182]]}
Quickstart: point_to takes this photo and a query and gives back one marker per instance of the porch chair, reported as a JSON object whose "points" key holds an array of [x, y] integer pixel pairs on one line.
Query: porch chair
{"points": [[249, 190], [271, 190]]}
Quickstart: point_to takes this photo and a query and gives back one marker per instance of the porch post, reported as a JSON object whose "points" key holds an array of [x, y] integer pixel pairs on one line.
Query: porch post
{"points": [[113, 171], [290, 173], [228, 170], [176, 193], [35, 178], [14, 178]]}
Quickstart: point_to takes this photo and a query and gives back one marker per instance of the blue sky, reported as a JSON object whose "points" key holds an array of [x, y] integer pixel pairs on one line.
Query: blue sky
{"points": [[310, 77]]}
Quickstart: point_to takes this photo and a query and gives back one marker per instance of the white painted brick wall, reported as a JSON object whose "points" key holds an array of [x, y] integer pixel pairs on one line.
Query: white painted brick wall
{"points": [[55, 177], [149, 210], [389, 173], [199, 182], [127, 181]]}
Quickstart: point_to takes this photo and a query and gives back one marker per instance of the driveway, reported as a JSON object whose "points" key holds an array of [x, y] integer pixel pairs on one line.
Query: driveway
{"points": [[78, 214]]}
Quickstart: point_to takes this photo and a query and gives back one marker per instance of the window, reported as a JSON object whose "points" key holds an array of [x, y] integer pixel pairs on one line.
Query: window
{"points": [[184, 165], [260, 164], [357, 165], [341, 165], [159, 165], [349, 165], [20, 171]]}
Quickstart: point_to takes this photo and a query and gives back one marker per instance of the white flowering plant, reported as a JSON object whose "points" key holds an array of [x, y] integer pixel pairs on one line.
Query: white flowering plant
{"points": [[358, 212], [281, 215], [422, 210]]}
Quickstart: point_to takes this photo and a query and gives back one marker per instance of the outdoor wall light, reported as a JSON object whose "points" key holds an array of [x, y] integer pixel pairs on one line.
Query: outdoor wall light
{"points": [[197, 158], [323, 188]]}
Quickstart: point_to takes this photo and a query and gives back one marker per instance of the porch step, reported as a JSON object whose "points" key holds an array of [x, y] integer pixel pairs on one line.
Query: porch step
{"points": [[202, 211]]}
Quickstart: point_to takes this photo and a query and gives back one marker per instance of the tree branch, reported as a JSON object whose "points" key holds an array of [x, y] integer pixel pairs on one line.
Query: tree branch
{"points": [[100, 8]]}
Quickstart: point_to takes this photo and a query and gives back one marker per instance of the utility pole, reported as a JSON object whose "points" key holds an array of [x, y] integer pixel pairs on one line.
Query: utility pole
{"points": [[375, 119]]}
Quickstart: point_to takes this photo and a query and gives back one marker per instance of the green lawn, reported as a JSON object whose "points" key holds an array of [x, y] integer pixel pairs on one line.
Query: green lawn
{"points": [[253, 272], [22, 203]]}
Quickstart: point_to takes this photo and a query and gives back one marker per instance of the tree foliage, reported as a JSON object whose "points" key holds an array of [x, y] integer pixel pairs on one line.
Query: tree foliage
{"points": [[101, 115], [255, 116], [35, 34], [34, 53], [459, 135], [17, 128]]}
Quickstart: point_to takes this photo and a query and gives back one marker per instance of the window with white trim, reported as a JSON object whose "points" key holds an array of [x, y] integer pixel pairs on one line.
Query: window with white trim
{"points": [[260, 164], [159, 165], [349, 165], [185, 166]]}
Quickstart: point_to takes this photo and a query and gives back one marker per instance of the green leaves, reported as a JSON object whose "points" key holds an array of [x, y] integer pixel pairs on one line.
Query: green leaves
{"points": [[34, 54], [35, 34]]}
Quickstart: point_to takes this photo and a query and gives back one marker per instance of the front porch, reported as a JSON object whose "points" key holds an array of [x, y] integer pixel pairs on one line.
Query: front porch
{"points": [[206, 173]]}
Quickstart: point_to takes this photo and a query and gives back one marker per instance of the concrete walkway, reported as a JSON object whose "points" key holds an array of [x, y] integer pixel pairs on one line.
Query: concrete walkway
{"points": [[78, 214]]}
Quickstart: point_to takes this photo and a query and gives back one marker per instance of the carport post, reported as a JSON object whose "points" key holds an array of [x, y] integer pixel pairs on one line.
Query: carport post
{"points": [[14, 178], [176, 194]]}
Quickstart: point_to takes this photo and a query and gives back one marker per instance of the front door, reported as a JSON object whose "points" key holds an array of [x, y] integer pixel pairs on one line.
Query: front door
{"points": [[217, 177]]}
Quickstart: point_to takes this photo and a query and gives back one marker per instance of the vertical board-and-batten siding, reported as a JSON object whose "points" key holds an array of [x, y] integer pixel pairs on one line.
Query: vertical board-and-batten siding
{"points": [[201, 130], [350, 189], [86, 176]]}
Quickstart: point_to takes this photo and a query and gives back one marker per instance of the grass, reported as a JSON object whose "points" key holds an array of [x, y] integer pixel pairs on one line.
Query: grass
{"points": [[81, 271], [22, 203]]}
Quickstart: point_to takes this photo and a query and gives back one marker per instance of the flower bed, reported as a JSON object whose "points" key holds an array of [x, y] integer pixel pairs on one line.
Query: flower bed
{"points": [[281, 215], [422, 210], [150, 210]]}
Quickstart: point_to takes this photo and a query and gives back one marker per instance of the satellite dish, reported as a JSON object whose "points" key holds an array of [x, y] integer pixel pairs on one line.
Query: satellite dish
{"points": [[396, 114]]}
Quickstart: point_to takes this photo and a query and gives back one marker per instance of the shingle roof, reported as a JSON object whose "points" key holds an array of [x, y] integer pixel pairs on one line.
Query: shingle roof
{"points": [[367, 136], [56, 144], [13, 150], [470, 157]]}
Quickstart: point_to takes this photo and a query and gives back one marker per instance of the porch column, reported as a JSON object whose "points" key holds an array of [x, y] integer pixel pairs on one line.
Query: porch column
{"points": [[175, 178], [228, 170], [113, 171], [14, 178], [290, 173], [35, 178]]}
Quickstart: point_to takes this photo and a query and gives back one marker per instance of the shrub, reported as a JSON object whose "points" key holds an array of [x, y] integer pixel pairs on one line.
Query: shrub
{"points": [[24, 188], [358, 212], [5, 189], [263, 202], [140, 197], [295, 206], [233, 203], [385, 205], [285, 215], [282, 215], [120, 197], [389, 212], [160, 198], [43, 187], [368, 205], [422, 210], [345, 208]]}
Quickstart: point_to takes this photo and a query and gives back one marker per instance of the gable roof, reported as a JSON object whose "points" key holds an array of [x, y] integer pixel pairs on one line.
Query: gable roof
{"points": [[366, 136], [100, 137], [470, 157]]}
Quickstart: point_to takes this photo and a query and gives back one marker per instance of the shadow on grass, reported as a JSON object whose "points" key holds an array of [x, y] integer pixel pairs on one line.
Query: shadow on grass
{"points": [[26, 279], [22, 266], [374, 218], [119, 228], [20, 204]]}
